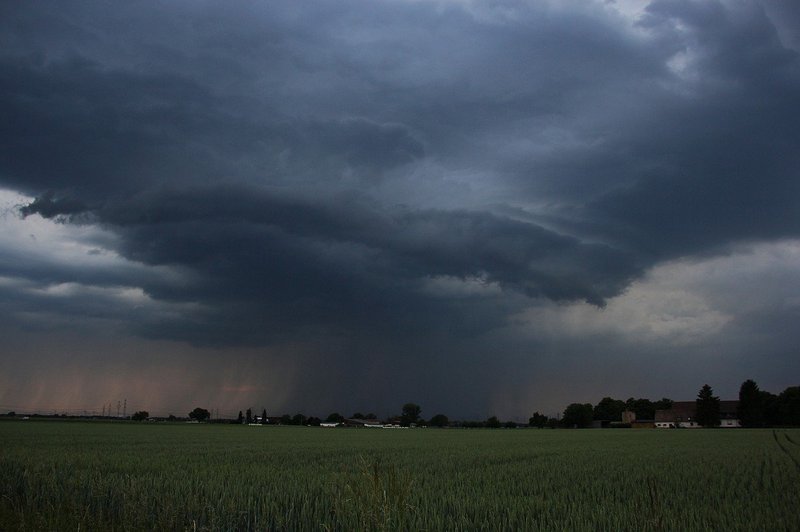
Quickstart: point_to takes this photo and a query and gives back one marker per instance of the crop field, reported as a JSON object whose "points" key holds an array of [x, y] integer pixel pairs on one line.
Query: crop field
{"points": [[128, 476]]}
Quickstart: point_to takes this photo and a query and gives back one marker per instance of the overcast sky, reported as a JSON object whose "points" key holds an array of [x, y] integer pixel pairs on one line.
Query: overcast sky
{"points": [[486, 208]]}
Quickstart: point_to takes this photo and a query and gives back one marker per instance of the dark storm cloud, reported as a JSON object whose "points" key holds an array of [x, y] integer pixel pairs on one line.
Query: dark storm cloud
{"points": [[728, 165], [289, 263], [388, 178], [76, 126], [115, 126], [50, 207], [785, 14]]}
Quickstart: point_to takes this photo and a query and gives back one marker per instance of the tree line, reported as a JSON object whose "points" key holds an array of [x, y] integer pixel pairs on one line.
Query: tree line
{"points": [[756, 408], [759, 408], [607, 410]]}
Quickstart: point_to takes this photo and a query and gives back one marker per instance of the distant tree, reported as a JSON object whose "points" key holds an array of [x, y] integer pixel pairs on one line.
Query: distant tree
{"points": [[286, 419], [240, 417], [141, 415], [313, 421], [788, 406], [751, 405], [538, 420], [770, 403], [171, 417], [371, 416], [299, 419], [264, 417], [410, 414], [492, 423], [334, 417], [510, 424], [11, 414], [643, 408], [439, 420], [199, 414], [578, 415], [609, 409], [249, 416], [358, 415], [707, 413], [663, 404], [552, 423]]}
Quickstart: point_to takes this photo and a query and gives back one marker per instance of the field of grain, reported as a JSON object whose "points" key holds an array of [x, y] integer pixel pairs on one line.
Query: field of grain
{"points": [[129, 476]]}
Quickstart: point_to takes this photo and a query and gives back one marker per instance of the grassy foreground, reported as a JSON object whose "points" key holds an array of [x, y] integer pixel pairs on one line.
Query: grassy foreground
{"points": [[128, 476]]}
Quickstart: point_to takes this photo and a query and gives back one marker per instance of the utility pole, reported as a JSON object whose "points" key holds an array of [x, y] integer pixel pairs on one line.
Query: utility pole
{"points": [[125, 408]]}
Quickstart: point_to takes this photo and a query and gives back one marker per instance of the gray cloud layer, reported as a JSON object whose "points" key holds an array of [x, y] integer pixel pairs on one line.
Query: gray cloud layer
{"points": [[386, 179]]}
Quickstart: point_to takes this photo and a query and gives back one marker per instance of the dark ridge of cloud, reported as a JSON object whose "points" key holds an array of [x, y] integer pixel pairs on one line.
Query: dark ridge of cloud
{"points": [[296, 263], [49, 206], [112, 131], [424, 242], [75, 124]]}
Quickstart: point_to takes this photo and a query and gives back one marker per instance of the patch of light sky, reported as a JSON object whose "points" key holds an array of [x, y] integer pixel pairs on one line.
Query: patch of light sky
{"points": [[684, 302], [39, 238], [34, 242]]}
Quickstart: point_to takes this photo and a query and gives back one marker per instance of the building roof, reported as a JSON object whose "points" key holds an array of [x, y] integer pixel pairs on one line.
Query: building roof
{"points": [[687, 411]]}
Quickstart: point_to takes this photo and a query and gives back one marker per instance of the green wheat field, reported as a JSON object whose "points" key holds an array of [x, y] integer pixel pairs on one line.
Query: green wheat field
{"points": [[69, 476]]}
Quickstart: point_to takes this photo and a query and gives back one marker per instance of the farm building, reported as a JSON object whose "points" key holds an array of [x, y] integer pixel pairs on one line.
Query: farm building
{"points": [[683, 415], [729, 414], [629, 419], [357, 422]]}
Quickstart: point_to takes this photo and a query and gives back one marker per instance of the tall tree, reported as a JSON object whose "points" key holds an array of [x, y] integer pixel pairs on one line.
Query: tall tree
{"points": [[609, 409], [410, 414], [644, 408], [751, 405], [770, 403], [663, 404], [264, 417], [249, 416], [240, 417], [439, 420], [334, 417], [789, 406], [538, 420], [199, 414], [578, 415], [492, 423], [707, 413]]}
